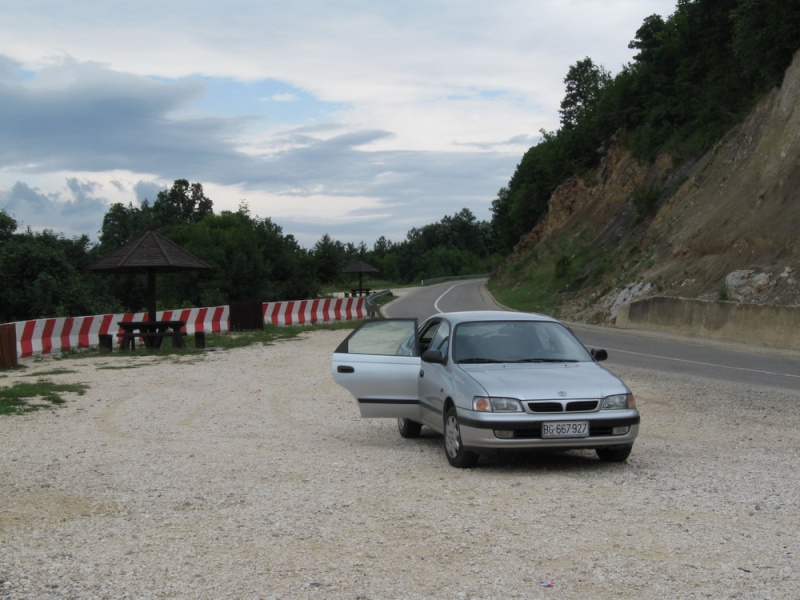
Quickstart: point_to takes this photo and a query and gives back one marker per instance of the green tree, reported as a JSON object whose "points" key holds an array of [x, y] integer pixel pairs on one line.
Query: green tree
{"points": [[182, 204], [520, 205], [765, 37], [701, 70], [7, 226], [584, 84], [250, 257], [457, 245], [329, 257], [44, 275], [381, 247], [648, 39], [122, 224]]}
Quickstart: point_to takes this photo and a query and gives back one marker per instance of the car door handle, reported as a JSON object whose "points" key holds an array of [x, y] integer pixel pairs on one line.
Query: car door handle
{"points": [[345, 369], [421, 373]]}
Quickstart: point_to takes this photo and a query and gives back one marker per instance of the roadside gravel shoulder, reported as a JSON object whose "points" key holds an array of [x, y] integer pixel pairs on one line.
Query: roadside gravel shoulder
{"points": [[249, 474]]}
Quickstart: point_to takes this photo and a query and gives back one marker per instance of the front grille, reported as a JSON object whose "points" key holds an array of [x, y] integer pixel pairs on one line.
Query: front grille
{"points": [[582, 406], [556, 406], [544, 407]]}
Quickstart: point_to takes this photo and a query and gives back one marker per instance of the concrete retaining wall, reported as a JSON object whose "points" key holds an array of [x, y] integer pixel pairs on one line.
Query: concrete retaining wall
{"points": [[761, 325]]}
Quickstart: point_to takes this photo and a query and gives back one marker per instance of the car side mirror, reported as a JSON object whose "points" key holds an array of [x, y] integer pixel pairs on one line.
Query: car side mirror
{"points": [[433, 356], [599, 354]]}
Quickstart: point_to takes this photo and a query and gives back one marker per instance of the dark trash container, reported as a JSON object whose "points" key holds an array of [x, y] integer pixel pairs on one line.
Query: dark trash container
{"points": [[8, 346], [246, 316], [106, 343], [200, 339]]}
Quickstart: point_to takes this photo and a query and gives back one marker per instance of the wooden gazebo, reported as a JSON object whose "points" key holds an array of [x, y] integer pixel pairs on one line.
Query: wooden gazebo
{"points": [[151, 254], [360, 267]]}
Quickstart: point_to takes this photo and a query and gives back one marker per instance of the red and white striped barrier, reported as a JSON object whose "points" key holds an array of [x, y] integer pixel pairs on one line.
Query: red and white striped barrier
{"points": [[45, 336], [300, 312]]}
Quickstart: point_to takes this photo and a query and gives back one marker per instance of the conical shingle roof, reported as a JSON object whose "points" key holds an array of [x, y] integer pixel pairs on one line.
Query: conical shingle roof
{"points": [[150, 252], [360, 267]]}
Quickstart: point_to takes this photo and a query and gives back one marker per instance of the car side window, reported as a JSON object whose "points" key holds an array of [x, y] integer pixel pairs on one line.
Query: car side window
{"points": [[441, 340], [426, 337], [382, 337]]}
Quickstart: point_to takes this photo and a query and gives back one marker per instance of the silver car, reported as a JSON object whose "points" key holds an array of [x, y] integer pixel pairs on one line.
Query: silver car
{"points": [[488, 380]]}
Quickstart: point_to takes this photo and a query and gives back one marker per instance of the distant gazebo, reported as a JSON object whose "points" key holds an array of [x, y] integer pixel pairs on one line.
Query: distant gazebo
{"points": [[361, 267]]}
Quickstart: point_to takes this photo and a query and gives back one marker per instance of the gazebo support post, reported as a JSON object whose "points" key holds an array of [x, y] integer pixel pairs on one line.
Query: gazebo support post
{"points": [[151, 295]]}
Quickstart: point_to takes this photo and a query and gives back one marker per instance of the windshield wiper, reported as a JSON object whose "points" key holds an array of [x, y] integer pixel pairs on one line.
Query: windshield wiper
{"points": [[544, 360], [465, 361]]}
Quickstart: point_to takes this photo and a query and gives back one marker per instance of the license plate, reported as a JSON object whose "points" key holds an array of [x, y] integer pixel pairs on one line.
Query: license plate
{"points": [[565, 429]]}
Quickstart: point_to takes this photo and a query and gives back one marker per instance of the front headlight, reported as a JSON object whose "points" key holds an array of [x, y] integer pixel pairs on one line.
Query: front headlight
{"points": [[618, 401], [491, 404]]}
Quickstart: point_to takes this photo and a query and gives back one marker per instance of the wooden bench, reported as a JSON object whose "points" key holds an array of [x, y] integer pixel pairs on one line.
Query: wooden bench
{"points": [[152, 333], [128, 339]]}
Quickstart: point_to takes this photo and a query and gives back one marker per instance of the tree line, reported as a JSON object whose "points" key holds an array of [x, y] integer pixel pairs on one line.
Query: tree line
{"points": [[44, 274], [695, 74]]}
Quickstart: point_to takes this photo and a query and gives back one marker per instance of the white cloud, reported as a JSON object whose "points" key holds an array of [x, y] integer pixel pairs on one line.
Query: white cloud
{"points": [[286, 97]]}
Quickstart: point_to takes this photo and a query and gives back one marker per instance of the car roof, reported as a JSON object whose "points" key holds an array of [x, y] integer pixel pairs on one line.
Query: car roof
{"points": [[490, 315]]}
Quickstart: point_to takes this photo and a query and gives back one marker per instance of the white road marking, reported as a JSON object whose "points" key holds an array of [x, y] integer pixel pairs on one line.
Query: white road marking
{"points": [[436, 304], [705, 364]]}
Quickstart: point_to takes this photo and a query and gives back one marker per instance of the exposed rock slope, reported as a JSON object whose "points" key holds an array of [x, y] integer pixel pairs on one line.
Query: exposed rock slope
{"points": [[726, 226]]}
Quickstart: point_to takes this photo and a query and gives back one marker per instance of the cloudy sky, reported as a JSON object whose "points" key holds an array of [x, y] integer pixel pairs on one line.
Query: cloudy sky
{"points": [[356, 118]]}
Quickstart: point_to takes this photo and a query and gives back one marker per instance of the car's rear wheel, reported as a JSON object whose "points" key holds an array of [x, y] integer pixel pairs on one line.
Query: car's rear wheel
{"points": [[408, 429], [453, 448], [614, 453]]}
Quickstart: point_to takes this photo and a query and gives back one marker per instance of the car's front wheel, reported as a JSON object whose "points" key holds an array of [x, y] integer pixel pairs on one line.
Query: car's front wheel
{"points": [[408, 429], [614, 453], [453, 448]]}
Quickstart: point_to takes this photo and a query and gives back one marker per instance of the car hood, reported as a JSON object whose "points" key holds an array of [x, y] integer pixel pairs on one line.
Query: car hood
{"points": [[545, 381]]}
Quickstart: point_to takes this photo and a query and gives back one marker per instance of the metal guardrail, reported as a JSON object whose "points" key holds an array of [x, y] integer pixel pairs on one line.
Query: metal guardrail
{"points": [[452, 278], [369, 303]]}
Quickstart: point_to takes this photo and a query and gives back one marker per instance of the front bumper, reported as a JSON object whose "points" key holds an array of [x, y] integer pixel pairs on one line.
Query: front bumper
{"points": [[525, 431]]}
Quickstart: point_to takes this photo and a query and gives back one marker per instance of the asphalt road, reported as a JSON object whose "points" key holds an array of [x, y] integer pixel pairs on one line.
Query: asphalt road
{"points": [[669, 354]]}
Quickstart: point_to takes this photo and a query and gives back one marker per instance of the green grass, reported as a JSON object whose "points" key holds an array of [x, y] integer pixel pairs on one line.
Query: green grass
{"points": [[531, 292], [216, 341], [543, 278], [25, 397], [50, 372], [270, 334], [534, 281]]}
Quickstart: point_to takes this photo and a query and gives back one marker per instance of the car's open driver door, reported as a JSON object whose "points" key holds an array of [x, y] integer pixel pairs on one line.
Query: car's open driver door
{"points": [[379, 365]]}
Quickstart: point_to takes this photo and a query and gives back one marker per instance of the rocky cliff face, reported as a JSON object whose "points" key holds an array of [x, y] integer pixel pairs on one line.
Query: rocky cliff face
{"points": [[726, 226]]}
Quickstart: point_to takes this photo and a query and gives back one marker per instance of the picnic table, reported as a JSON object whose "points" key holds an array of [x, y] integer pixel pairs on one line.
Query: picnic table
{"points": [[152, 332], [359, 292]]}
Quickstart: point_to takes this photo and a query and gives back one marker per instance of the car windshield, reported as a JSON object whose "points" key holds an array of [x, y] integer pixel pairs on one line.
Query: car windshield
{"points": [[516, 341]]}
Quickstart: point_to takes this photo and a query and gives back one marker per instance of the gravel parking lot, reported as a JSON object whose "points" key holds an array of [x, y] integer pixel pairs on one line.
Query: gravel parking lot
{"points": [[249, 474]]}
